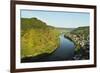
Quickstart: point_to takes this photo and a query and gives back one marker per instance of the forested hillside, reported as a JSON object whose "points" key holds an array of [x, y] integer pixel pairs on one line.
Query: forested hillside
{"points": [[80, 37]]}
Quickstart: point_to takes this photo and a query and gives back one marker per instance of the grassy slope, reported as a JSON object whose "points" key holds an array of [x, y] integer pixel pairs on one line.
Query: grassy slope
{"points": [[37, 38]]}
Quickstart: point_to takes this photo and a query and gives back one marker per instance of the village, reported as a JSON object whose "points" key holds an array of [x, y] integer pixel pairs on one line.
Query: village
{"points": [[81, 45]]}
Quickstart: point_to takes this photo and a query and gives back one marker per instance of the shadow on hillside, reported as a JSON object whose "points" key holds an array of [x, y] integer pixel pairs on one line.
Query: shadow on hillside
{"points": [[37, 58]]}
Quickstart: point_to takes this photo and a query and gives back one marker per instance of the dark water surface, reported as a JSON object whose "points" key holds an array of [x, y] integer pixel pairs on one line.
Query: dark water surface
{"points": [[64, 52]]}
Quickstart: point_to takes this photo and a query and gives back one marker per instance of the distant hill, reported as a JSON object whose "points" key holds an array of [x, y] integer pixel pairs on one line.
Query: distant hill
{"points": [[81, 31], [65, 30], [85, 28]]}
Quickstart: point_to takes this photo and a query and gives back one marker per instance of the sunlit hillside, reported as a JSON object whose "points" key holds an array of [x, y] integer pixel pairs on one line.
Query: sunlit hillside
{"points": [[37, 38]]}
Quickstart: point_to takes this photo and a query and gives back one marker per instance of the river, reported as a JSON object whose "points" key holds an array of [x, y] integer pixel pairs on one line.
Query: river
{"points": [[64, 52]]}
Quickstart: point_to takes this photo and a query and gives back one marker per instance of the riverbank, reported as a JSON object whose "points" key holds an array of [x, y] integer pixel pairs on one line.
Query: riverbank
{"points": [[37, 58], [64, 52], [81, 50], [69, 39]]}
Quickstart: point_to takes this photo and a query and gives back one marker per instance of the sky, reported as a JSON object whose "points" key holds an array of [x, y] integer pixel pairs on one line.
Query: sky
{"points": [[59, 18]]}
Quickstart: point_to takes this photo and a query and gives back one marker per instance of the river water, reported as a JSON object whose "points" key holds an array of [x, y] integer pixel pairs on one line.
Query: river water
{"points": [[64, 52]]}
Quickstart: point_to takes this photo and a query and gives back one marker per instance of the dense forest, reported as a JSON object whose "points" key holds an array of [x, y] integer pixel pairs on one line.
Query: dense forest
{"points": [[37, 37]]}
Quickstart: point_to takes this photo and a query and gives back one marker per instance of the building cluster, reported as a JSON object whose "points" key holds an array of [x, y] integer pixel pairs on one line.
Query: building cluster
{"points": [[79, 39]]}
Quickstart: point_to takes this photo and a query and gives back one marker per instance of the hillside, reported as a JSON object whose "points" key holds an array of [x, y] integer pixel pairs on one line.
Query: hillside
{"points": [[37, 38], [82, 32], [80, 37]]}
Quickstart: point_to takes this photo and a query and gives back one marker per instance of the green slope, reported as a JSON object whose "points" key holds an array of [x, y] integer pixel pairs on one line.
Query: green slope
{"points": [[37, 38]]}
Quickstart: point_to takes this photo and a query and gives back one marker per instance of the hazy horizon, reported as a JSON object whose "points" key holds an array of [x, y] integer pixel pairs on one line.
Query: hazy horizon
{"points": [[59, 19]]}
